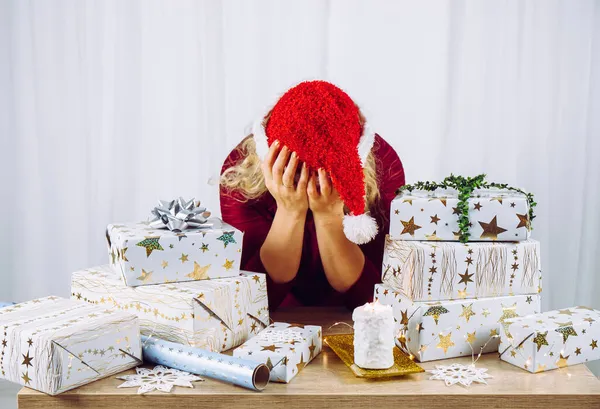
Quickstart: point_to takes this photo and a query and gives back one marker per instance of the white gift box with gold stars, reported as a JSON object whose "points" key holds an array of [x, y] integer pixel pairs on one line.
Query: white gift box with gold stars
{"points": [[214, 314], [144, 255], [551, 340], [427, 270], [448, 329], [285, 348], [494, 214], [54, 344]]}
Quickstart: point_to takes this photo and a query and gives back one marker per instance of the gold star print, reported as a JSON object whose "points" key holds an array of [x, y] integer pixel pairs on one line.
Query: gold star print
{"points": [[515, 267], [396, 211], [584, 308], [301, 364], [409, 226], [199, 273], [445, 342], [465, 278], [312, 348], [122, 253], [228, 265], [462, 294], [256, 278], [269, 364], [404, 319], [491, 230], [30, 342], [523, 220], [594, 344], [27, 359], [477, 206], [164, 264], [507, 312], [577, 351], [409, 201], [499, 199], [540, 368], [253, 327], [435, 219], [146, 275], [26, 378], [513, 353], [467, 312], [590, 320], [271, 348], [204, 248], [455, 210], [183, 258], [565, 312], [562, 361], [296, 326], [432, 237], [441, 199], [540, 340], [471, 337]]}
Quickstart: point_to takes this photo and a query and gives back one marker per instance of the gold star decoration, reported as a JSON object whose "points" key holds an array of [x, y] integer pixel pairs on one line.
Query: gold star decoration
{"points": [[435, 219], [565, 312], [404, 319], [199, 273], [409, 226], [122, 252], [445, 342], [513, 353], [228, 264], [494, 332], [523, 220], [409, 201], [269, 364], [27, 359], [540, 339], [396, 211], [566, 331], [462, 294], [499, 199], [471, 337], [435, 312], [465, 278], [30, 342], [256, 278], [296, 326], [253, 327], [467, 312], [204, 247], [584, 308], [590, 320], [562, 361], [26, 378], [594, 344], [164, 264], [150, 243], [311, 349], [271, 348], [491, 230], [146, 275], [507, 312], [477, 206], [485, 312], [540, 368], [183, 258], [301, 364], [433, 236], [577, 351]]}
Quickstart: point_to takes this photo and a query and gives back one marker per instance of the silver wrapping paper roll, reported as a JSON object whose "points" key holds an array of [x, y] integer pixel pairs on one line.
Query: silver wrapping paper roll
{"points": [[251, 375]]}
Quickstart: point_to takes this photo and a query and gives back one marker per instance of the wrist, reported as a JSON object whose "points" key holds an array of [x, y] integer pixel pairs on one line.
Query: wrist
{"points": [[292, 215], [328, 218]]}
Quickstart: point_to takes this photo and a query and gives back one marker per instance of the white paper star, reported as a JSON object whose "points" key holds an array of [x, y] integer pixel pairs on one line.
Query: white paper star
{"points": [[459, 373], [160, 378]]}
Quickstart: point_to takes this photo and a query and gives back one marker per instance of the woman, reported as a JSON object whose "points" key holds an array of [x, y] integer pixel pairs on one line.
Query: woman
{"points": [[301, 188]]}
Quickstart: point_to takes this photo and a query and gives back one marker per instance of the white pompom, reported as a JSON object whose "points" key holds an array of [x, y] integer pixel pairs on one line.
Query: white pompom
{"points": [[360, 229]]}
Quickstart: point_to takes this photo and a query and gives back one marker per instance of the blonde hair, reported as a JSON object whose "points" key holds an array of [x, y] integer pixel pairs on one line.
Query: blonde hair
{"points": [[246, 177]]}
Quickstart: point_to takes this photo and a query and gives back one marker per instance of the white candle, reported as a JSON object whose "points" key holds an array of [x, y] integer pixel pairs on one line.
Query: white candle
{"points": [[373, 336]]}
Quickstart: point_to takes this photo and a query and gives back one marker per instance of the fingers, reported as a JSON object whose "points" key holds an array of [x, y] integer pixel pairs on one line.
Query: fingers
{"points": [[303, 181], [290, 171], [270, 159], [311, 189], [279, 165], [324, 183]]}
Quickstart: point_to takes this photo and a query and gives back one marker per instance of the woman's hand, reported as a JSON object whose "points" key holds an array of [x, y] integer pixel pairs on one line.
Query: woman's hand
{"points": [[279, 169], [326, 202]]}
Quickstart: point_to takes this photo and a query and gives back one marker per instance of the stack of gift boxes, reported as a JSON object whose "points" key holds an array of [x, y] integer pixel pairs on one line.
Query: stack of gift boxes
{"points": [[450, 298]]}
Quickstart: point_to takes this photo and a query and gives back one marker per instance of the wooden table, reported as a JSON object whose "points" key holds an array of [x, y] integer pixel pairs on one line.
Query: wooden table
{"points": [[327, 382]]}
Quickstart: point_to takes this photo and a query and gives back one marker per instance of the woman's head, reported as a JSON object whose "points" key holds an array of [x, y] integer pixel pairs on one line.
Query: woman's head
{"points": [[322, 124]]}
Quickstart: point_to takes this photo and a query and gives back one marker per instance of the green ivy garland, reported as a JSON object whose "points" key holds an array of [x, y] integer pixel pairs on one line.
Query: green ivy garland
{"points": [[465, 187]]}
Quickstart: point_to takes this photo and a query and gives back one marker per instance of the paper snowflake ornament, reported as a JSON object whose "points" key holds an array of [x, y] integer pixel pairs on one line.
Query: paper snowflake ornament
{"points": [[459, 373], [160, 378]]}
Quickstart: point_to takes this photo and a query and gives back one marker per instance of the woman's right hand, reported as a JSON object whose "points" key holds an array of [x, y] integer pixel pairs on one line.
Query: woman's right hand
{"points": [[279, 169]]}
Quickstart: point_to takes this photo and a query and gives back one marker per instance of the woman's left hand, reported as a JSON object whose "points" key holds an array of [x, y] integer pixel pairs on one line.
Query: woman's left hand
{"points": [[325, 202]]}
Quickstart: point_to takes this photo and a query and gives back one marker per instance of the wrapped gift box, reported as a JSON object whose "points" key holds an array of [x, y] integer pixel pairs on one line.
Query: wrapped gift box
{"points": [[551, 340], [448, 329], [425, 270], [53, 344], [285, 348], [145, 255], [211, 314], [494, 214]]}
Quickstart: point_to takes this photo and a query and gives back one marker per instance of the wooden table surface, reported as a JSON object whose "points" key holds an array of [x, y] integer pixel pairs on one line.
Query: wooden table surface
{"points": [[327, 382]]}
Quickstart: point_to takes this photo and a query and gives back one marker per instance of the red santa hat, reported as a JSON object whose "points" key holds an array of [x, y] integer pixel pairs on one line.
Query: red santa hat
{"points": [[321, 123]]}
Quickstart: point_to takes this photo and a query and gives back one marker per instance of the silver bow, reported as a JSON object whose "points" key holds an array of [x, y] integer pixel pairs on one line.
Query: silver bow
{"points": [[178, 215]]}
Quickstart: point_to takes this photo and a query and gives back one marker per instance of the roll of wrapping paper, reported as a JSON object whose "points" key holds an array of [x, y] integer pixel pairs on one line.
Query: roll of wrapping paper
{"points": [[251, 375]]}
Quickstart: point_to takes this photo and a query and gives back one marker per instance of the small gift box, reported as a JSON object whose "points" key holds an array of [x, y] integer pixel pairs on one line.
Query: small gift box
{"points": [[53, 344], [448, 329], [551, 340], [431, 211], [148, 255], [211, 314], [285, 348], [425, 270]]}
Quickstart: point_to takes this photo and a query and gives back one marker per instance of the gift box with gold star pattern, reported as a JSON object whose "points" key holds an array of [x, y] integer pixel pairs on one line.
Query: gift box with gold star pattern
{"points": [[54, 344], [216, 314], [145, 255], [551, 340], [448, 329], [285, 348], [426, 270], [494, 214]]}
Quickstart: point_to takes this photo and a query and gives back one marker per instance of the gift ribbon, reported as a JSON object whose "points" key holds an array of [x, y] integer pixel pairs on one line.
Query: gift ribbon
{"points": [[178, 215]]}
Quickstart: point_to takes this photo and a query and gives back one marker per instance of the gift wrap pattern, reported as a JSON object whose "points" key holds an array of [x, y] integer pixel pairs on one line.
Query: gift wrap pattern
{"points": [[551, 340], [285, 348], [494, 214], [145, 255], [448, 329], [54, 344], [425, 270], [214, 314]]}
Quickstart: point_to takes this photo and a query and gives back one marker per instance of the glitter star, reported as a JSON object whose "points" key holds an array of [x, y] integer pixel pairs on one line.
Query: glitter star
{"points": [[146, 275], [445, 342], [465, 278], [566, 331], [435, 219], [228, 264], [577, 351], [494, 332], [432, 237], [565, 312], [409, 226], [507, 312], [150, 244], [471, 337], [540, 339], [183, 258], [594, 344], [540, 368], [26, 378], [435, 312], [485, 312], [491, 230], [467, 312], [562, 361], [523, 220], [227, 238], [204, 248], [462, 294], [199, 273]]}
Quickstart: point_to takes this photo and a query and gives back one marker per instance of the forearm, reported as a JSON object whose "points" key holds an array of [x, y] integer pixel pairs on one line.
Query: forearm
{"points": [[342, 260], [282, 249]]}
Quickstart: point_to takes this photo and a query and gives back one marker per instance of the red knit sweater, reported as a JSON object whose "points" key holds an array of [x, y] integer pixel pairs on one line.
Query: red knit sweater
{"points": [[310, 287]]}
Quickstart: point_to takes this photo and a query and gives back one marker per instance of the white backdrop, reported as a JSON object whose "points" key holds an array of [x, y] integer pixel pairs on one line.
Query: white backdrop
{"points": [[106, 106]]}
